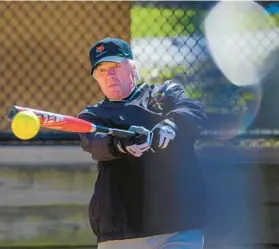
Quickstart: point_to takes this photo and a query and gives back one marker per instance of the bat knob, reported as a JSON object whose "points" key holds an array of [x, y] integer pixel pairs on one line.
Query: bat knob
{"points": [[93, 128]]}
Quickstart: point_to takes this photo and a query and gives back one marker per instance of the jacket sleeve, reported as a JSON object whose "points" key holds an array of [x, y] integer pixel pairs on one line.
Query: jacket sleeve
{"points": [[99, 145], [186, 113]]}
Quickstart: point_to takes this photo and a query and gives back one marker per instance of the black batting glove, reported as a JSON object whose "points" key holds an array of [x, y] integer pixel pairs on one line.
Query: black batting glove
{"points": [[137, 145]]}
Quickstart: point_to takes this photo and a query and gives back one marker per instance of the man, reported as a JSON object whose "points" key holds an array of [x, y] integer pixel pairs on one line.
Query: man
{"points": [[149, 192]]}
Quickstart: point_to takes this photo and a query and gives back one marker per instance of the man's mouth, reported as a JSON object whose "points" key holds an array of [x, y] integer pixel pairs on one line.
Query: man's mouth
{"points": [[113, 85]]}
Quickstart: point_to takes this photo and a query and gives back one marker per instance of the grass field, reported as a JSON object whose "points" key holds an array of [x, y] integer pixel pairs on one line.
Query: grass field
{"points": [[165, 22], [154, 22]]}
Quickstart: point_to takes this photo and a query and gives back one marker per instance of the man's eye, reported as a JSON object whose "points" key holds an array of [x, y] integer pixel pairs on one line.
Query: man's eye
{"points": [[102, 70], [117, 67]]}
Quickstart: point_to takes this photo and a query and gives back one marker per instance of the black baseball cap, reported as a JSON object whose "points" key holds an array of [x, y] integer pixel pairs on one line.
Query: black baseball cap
{"points": [[109, 49]]}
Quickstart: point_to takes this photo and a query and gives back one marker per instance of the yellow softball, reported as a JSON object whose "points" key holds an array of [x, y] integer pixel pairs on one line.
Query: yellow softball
{"points": [[25, 125]]}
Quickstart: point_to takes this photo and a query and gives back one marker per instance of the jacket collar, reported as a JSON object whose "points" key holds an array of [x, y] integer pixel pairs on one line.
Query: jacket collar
{"points": [[140, 88]]}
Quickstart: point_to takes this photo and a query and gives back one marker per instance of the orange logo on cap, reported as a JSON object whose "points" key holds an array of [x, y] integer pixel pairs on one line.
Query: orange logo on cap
{"points": [[99, 48]]}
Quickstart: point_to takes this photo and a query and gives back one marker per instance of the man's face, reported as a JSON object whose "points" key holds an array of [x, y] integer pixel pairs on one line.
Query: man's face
{"points": [[117, 80]]}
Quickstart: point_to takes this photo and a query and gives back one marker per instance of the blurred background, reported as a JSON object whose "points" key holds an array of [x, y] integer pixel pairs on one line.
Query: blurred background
{"points": [[46, 183]]}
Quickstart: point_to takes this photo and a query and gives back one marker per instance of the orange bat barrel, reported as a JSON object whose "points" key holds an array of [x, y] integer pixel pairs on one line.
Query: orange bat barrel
{"points": [[67, 123], [56, 121]]}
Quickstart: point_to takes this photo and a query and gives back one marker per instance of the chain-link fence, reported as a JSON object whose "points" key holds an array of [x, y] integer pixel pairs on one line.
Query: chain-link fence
{"points": [[44, 63]]}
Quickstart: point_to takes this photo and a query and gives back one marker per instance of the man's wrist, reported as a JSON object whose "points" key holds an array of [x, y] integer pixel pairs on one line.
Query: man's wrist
{"points": [[170, 123]]}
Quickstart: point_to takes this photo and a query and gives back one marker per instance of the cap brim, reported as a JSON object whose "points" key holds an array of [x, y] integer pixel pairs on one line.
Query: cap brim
{"points": [[108, 59]]}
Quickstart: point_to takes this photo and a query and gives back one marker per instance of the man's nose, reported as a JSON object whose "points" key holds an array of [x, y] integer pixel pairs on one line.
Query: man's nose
{"points": [[111, 71]]}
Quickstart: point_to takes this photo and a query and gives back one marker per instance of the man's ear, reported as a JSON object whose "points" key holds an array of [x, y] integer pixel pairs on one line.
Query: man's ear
{"points": [[134, 67]]}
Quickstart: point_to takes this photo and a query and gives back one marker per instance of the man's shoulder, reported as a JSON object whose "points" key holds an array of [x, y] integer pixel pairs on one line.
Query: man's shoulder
{"points": [[91, 109]]}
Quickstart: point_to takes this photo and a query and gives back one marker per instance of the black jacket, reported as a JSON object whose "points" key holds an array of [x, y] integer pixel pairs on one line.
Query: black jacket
{"points": [[161, 192]]}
